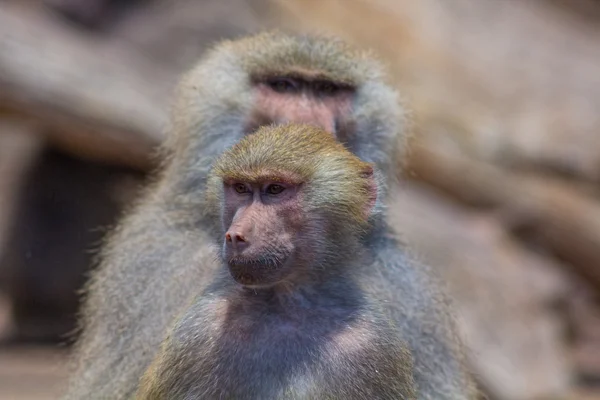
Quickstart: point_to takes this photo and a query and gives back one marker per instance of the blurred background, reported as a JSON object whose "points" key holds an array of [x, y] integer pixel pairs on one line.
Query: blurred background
{"points": [[501, 189]]}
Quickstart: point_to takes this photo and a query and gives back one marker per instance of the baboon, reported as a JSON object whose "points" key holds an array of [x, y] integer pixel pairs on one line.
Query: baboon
{"points": [[160, 257], [291, 312]]}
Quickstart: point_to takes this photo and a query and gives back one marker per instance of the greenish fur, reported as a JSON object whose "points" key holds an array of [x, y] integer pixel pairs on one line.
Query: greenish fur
{"points": [[311, 154]]}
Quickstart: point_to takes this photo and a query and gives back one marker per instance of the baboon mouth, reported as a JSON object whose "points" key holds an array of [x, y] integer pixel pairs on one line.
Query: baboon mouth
{"points": [[253, 271], [262, 263]]}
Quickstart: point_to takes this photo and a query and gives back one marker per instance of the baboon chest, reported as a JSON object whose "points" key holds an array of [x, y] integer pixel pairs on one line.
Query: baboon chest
{"points": [[278, 356]]}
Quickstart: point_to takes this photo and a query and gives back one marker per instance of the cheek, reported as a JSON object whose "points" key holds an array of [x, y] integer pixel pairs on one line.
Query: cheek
{"points": [[293, 223], [340, 106], [277, 226]]}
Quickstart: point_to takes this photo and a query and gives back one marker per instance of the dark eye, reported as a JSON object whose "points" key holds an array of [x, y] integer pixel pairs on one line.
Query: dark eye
{"points": [[325, 88], [275, 189], [283, 85], [240, 188]]}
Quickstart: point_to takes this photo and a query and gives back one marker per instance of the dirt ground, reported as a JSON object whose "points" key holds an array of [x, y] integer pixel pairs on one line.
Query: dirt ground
{"points": [[31, 373]]}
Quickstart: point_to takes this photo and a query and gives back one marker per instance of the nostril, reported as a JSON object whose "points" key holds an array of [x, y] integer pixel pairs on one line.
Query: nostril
{"points": [[235, 239]]}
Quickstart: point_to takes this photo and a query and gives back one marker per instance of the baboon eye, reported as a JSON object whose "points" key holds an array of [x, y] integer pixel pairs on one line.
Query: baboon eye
{"points": [[283, 85], [240, 188], [326, 88], [275, 189]]}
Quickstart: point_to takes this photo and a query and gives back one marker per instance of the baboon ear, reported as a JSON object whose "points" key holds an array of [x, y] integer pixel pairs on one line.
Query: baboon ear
{"points": [[371, 186]]}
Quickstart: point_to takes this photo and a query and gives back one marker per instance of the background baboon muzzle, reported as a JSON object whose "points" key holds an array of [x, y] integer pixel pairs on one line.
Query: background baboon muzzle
{"points": [[316, 115], [322, 119]]}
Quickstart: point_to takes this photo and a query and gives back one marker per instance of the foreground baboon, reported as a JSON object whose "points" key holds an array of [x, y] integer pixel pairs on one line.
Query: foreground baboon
{"points": [[160, 256], [293, 312]]}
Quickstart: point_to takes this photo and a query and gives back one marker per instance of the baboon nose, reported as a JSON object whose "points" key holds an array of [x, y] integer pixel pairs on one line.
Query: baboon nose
{"points": [[236, 240]]}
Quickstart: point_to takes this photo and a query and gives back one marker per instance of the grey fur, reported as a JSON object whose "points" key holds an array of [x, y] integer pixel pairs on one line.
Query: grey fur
{"points": [[161, 255]]}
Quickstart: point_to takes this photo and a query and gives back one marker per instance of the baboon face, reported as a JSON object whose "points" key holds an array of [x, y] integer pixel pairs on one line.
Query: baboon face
{"points": [[288, 195], [262, 220], [302, 98]]}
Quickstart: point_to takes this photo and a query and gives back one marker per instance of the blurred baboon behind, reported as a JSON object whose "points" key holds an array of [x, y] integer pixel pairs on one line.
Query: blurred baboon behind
{"points": [[160, 256]]}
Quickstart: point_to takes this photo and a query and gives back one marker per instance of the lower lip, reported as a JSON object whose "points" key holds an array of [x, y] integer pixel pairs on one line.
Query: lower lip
{"points": [[251, 275]]}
